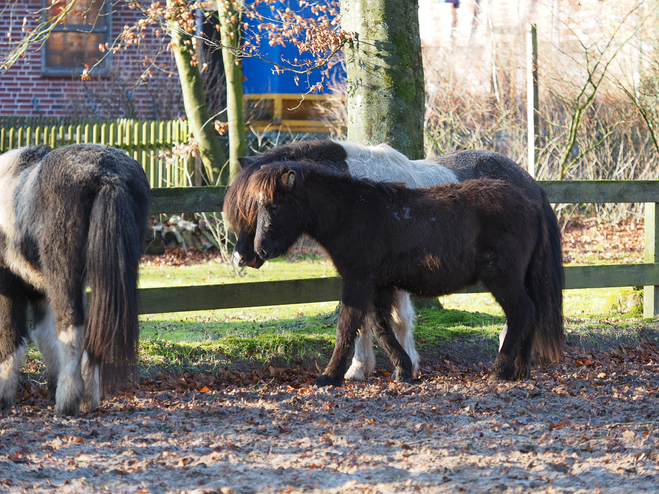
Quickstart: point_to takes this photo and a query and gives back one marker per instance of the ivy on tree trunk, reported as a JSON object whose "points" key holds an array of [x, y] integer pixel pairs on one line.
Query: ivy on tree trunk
{"points": [[385, 86]]}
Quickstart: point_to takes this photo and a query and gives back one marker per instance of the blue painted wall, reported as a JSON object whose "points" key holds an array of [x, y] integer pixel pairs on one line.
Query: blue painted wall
{"points": [[260, 75]]}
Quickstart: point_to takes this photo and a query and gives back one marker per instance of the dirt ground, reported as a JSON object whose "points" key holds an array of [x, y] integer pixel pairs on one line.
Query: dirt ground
{"points": [[588, 425]]}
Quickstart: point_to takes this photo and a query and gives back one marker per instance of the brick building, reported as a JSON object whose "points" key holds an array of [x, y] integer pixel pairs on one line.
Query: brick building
{"points": [[46, 81]]}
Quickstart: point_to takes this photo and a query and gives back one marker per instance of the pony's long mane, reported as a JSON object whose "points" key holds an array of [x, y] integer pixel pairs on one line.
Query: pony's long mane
{"points": [[240, 205], [258, 180], [265, 182]]}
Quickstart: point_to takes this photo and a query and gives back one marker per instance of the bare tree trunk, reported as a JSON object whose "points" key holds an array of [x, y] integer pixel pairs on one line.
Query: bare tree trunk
{"points": [[194, 101], [229, 12], [386, 95]]}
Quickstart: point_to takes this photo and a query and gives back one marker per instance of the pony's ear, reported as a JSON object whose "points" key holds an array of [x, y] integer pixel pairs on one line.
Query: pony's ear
{"points": [[288, 179], [245, 161]]}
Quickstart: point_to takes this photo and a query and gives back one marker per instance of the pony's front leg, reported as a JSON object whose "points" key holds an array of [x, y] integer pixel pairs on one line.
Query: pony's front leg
{"points": [[13, 335], [355, 303], [402, 321]]}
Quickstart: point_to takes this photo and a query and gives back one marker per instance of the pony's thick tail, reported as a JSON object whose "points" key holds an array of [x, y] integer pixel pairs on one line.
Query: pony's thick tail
{"points": [[545, 281], [114, 246]]}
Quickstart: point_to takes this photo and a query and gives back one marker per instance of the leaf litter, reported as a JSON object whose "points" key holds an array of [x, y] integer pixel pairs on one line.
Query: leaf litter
{"points": [[588, 424]]}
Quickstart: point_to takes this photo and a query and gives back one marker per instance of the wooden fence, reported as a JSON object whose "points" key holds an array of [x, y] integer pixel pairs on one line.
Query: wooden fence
{"points": [[149, 142], [235, 295]]}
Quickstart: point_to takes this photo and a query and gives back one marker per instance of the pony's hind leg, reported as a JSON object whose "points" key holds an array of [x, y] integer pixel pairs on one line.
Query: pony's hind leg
{"points": [[13, 335], [403, 316], [70, 385], [525, 356], [45, 337], [383, 302], [91, 375], [363, 361], [67, 305], [513, 359], [402, 321]]}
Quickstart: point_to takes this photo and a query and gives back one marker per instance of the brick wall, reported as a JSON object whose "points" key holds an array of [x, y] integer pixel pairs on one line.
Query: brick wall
{"points": [[121, 93]]}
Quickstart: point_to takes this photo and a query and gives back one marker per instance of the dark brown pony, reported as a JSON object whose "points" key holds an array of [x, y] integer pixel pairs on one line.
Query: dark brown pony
{"points": [[431, 241], [383, 163]]}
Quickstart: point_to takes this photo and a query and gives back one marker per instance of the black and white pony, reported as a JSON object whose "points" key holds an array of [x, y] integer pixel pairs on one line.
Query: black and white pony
{"points": [[383, 163], [429, 241], [70, 218]]}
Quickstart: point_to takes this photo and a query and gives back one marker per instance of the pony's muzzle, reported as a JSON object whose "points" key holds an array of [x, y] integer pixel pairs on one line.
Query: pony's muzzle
{"points": [[266, 253], [238, 259], [241, 261]]}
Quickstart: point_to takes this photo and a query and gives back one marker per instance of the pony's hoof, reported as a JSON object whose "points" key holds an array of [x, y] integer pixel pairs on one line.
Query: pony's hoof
{"points": [[325, 380], [401, 376], [5, 403], [69, 410], [355, 373], [67, 407], [522, 373], [504, 370], [499, 375], [89, 404]]}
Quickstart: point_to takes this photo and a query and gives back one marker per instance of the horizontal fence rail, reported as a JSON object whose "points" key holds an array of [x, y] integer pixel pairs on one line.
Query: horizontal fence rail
{"points": [[257, 294], [209, 199]]}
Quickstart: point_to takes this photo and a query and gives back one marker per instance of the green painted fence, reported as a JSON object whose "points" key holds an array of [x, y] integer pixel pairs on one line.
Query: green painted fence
{"points": [[149, 142], [198, 199]]}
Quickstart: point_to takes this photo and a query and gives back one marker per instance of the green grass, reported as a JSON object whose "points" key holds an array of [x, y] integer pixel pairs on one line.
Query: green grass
{"points": [[305, 332], [212, 273]]}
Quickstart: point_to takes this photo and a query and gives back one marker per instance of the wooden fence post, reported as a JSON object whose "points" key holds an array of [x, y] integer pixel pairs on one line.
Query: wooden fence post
{"points": [[532, 101], [651, 293]]}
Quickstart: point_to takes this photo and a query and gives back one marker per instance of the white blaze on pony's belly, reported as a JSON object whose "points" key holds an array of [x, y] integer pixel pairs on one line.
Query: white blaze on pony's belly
{"points": [[9, 371], [17, 216]]}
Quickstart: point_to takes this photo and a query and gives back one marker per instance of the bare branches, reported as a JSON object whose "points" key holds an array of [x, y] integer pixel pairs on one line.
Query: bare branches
{"points": [[597, 63], [31, 37]]}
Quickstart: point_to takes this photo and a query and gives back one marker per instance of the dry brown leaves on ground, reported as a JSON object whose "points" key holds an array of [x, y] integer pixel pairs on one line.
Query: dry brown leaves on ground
{"points": [[179, 257], [588, 425], [590, 241]]}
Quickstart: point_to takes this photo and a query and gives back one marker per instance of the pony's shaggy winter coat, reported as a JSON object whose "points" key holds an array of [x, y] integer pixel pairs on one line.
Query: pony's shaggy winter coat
{"points": [[430, 241], [70, 218], [383, 163]]}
